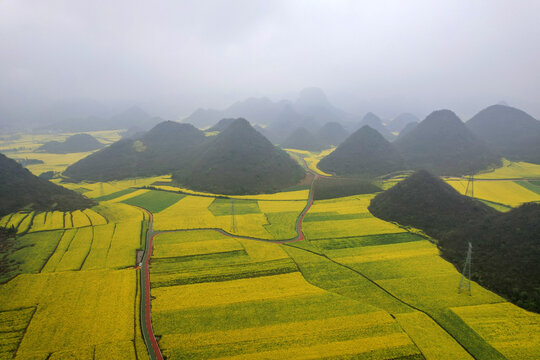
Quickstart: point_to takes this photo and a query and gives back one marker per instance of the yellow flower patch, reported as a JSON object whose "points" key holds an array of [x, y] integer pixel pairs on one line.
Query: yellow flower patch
{"points": [[243, 290]]}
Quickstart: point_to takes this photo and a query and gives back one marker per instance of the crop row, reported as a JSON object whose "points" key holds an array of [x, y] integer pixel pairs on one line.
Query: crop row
{"points": [[100, 309], [222, 273]]}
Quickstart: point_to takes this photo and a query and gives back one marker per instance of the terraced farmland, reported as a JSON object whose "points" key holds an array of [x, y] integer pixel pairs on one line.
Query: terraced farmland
{"points": [[379, 267], [71, 292], [244, 277]]}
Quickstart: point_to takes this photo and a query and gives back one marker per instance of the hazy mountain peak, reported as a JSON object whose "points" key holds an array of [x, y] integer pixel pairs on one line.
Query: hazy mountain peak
{"points": [[511, 132], [239, 124], [401, 121], [371, 119], [443, 145], [303, 139], [332, 133], [312, 96], [366, 153]]}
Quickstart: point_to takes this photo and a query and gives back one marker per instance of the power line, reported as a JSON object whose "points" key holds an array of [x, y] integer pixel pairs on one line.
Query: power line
{"points": [[466, 274], [469, 191]]}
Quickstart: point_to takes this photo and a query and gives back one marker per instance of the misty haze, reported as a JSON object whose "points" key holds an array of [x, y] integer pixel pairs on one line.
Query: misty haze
{"points": [[269, 179]]}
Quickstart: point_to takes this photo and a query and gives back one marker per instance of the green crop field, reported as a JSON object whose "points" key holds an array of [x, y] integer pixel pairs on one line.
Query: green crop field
{"points": [[154, 201], [230, 284]]}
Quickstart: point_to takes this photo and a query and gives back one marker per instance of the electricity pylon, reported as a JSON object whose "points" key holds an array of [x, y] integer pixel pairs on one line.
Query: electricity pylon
{"points": [[233, 218], [469, 191], [466, 274]]}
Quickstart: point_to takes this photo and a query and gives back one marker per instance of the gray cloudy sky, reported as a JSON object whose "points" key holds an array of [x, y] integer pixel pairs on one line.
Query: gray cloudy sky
{"points": [[171, 57]]}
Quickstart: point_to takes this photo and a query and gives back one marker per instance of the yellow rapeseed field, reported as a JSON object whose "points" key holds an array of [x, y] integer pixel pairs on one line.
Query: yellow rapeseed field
{"points": [[437, 291], [19, 221], [263, 251], [503, 192], [24, 225], [512, 170], [80, 219], [386, 252], [312, 159], [68, 221], [391, 344], [286, 195], [197, 248], [281, 206], [124, 243], [115, 351], [345, 228], [13, 323], [346, 205], [191, 212], [235, 291], [433, 341], [97, 189], [95, 218], [77, 250], [51, 162], [119, 213], [100, 248], [60, 251], [299, 328], [511, 330], [126, 196], [322, 334], [100, 310]]}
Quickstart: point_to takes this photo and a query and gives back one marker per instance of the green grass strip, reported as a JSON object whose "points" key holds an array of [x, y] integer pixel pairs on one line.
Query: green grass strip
{"points": [[154, 200], [533, 186]]}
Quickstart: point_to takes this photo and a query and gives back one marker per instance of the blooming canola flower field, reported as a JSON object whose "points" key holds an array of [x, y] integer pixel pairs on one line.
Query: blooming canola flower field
{"points": [[231, 279]]}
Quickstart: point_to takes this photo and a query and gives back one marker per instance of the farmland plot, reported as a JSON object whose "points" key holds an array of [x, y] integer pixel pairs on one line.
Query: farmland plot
{"points": [[499, 191], [233, 298], [100, 310]]}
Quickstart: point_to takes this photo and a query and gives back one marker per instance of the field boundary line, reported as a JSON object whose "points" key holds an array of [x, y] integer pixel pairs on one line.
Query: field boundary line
{"points": [[395, 297]]}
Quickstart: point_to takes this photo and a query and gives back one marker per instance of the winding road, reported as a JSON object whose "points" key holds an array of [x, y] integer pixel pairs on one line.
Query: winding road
{"points": [[146, 303]]}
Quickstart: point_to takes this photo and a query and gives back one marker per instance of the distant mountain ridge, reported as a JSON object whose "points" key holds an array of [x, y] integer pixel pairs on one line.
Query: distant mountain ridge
{"points": [[73, 144], [374, 122], [401, 121], [237, 160], [19, 189], [161, 150], [302, 139], [221, 124], [132, 117], [510, 132], [332, 134], [312, 109]]}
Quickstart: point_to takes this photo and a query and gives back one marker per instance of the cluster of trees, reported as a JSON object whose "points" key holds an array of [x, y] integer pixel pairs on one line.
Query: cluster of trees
{"points": [[506, 246]]}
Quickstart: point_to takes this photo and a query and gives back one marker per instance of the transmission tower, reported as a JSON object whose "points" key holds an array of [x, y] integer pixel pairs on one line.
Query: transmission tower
{"points": [[233, 218], [466, 274], [469, 191]]}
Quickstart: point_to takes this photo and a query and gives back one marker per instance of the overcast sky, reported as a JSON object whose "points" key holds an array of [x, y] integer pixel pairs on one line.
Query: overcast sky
{"points": [[172, 57]]}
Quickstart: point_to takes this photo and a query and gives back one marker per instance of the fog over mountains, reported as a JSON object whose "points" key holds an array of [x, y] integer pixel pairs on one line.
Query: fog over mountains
{"points": [[84, 60]]}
